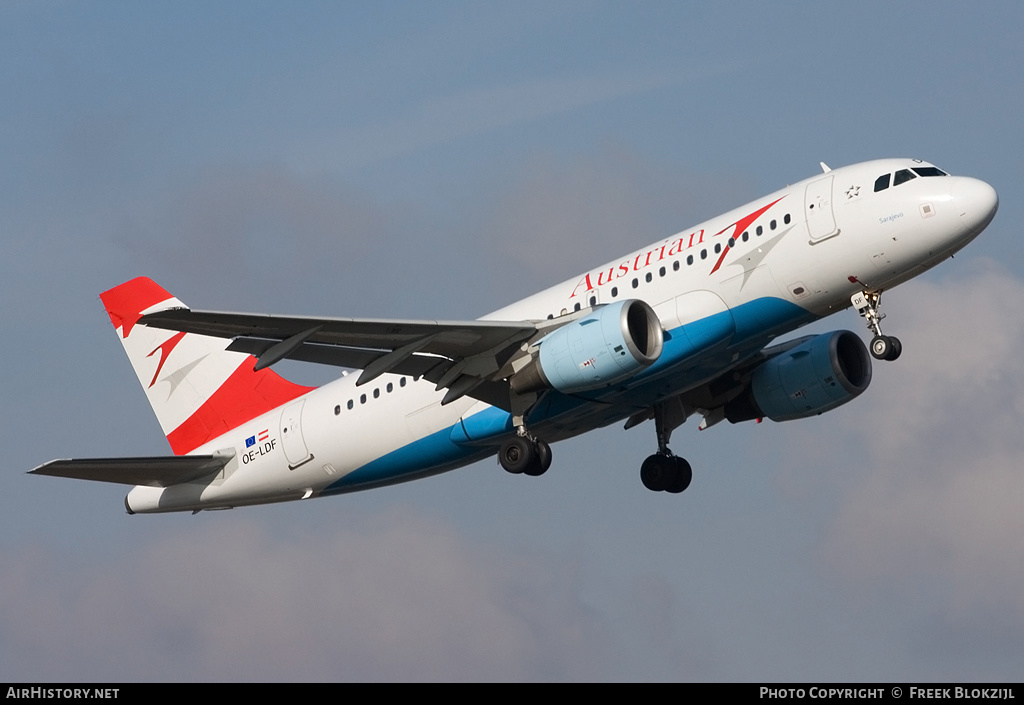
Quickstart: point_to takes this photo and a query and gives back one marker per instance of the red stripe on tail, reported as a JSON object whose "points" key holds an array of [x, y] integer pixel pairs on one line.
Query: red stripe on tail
{"points": [[245, 395]]}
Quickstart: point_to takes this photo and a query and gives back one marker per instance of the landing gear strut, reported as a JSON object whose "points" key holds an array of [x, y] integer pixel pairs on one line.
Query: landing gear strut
{"points": [[883, 347], [664, 471]]}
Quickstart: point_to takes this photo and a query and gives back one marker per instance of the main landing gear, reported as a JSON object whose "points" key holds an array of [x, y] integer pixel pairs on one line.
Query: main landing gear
{"points": [[883, 347], [525, 454], [664, 471]]}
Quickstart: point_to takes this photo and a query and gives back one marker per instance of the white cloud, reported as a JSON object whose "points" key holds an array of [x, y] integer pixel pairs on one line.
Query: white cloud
{"points": [[936, 506]]}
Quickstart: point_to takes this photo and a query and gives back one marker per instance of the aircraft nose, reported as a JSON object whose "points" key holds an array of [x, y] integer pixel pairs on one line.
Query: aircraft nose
{"points": [[977, 202]]}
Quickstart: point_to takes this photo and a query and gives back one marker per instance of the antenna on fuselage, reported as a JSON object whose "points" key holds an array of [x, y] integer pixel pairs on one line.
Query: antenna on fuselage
{"points": [[825, 168]]}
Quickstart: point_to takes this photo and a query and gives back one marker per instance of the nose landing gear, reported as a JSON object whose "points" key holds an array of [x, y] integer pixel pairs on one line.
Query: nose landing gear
{"points": [[883, 347]]}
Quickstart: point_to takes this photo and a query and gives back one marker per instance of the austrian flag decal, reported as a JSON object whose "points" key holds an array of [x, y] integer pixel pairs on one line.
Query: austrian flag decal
{"points": [[251, 440]]}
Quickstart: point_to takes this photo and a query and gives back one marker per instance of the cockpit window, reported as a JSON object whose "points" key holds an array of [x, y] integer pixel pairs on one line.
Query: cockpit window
{"points": [[902, 176], [882, 182], [929, 171]]}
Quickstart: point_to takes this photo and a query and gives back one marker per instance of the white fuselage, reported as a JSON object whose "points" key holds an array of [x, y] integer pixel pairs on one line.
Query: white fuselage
{"points": [[774, 264]]}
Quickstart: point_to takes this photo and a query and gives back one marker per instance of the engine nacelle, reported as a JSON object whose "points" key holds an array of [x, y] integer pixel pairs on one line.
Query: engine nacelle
{"points": [[814, 377], [609, 345]]}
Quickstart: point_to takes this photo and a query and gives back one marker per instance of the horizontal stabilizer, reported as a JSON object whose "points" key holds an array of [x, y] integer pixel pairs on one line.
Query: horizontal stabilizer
{"points": [[160, 471]]}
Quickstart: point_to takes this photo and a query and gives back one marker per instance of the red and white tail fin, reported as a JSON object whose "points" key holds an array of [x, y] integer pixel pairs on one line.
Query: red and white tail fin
{"points": [[198, 389]]}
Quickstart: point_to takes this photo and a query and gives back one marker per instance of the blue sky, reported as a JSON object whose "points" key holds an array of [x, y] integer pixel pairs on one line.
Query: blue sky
{"points": [[440, 160]]}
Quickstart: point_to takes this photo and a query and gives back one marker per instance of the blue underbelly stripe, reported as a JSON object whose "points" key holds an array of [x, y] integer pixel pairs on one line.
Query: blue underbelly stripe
{"points": [[450, 447]]}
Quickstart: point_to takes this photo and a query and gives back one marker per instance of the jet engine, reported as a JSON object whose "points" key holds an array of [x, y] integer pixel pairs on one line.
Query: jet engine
{"points": [[607, 346], [809, 379]]}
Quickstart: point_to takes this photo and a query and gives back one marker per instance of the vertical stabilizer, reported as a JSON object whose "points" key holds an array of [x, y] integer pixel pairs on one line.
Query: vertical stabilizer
{"points": [[198, 389]]}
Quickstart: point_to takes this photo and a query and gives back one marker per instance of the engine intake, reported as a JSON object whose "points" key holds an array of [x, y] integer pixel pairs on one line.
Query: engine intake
{"points": [[814, 377], [607, 346]]}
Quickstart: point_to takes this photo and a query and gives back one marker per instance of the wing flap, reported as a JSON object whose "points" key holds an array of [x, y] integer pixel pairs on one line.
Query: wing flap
{"points": [[338, 356], [160, 471]]}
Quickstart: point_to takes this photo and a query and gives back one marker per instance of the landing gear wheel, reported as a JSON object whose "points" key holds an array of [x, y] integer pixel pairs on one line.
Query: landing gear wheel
{"points": [[665, 473], [517, 454], [542, 460], [881, 347], [682, 474], [522, 455], [655, 472], [897, 348], [885, 347]]}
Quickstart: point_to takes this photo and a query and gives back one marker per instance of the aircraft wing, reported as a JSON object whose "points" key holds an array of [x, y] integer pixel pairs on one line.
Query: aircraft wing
{"points": [[150, 471], [466, 357]]}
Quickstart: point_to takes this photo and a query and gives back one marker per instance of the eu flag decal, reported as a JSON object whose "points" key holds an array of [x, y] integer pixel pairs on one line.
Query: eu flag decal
{"points": [[250, 441]]}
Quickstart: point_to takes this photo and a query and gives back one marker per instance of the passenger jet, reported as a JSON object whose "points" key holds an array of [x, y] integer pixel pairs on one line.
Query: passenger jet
{"points": [[684, 327]]}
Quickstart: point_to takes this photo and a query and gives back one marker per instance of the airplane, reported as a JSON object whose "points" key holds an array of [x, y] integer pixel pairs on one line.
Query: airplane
{"points": [[683, 327]]}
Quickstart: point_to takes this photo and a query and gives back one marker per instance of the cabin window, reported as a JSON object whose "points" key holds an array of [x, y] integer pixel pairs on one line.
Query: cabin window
{"points": [[746, 234], [337, 409], [772, 225], [362, 398], [390, 387], [401, 382], [661, 272], [786, 219], [636, 283], [649, 277], [759, 230], [689, 259], [615, 291], [675, 266], [593, 300], [703, 254], [350, 404], [376, 393]]}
